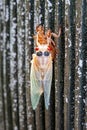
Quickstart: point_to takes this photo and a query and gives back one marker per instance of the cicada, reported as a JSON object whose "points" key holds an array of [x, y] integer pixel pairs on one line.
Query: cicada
{"points": [[41, 76]]}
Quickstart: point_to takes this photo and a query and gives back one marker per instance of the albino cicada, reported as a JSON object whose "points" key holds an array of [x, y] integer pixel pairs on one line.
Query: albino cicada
{"points": [[41, 75]]}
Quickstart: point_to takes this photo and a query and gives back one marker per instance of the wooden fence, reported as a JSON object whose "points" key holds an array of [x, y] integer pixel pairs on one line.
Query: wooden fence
{"points": [[68, 107]]}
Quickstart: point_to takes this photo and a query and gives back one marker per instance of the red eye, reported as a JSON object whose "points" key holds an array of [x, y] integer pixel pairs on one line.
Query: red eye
{"points": [[36, 48], [49, 48]]}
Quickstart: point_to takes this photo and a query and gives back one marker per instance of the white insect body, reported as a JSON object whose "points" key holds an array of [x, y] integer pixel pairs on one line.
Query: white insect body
{"points": [[41, 75]]}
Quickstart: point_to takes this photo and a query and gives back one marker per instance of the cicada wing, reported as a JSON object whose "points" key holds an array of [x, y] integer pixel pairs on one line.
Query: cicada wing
{"points": [[36, 83], [47, 84]]}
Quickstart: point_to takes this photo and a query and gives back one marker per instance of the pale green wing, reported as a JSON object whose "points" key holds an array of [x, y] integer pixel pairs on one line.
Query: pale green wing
{"points": [[36, 84], [47, 84]]}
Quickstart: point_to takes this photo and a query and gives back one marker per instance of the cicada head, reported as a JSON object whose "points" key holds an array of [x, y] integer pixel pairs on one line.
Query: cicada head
{"points": [[43, 55]]}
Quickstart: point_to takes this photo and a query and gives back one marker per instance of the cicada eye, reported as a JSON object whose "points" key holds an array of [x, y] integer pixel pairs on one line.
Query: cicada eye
{"points": [[46, 53], [39, 53], [36, 48]]}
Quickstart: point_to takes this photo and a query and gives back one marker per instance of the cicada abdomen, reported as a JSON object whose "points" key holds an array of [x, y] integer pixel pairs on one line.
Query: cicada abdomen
{"points": [[41, 76]]}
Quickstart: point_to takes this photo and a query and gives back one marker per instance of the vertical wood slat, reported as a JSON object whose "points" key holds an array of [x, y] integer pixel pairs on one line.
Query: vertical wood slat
{"points": [[7, 45], [14, 63], [3, 107], [21, 64], [83, 92], [77, 50], [71, 106], [28, 43], [66, 66], [31, 42], [60, 96], [4, 67]]}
